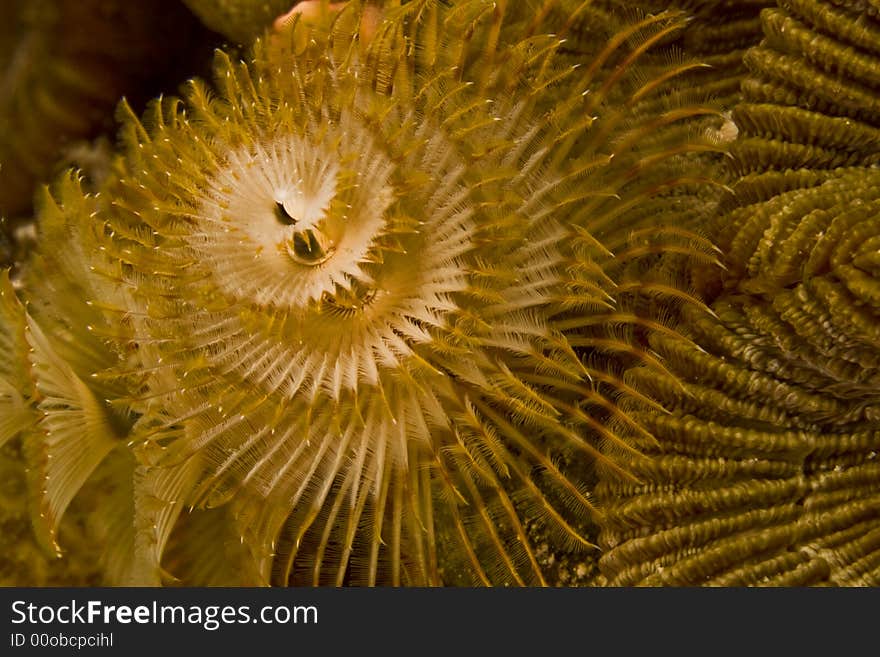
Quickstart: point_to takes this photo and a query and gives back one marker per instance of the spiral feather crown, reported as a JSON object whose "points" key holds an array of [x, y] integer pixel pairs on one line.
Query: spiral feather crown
{"points": [[369, 303]]}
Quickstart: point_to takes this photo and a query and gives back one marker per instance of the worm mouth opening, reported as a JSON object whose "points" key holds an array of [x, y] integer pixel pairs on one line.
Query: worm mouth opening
{"points": [[310, 247]]}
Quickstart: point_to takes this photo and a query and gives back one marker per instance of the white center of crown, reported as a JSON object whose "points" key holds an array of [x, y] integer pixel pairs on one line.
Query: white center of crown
{"points": [[290, 220], [307, 201]]}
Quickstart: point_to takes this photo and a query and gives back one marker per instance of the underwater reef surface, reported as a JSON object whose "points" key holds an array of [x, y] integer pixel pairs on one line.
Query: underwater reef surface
{"points": [[463, 293], [766, 470]]}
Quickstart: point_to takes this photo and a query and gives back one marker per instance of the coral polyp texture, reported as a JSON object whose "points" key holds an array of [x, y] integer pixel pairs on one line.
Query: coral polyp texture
{"points": [[359, 312], [767, 470]]}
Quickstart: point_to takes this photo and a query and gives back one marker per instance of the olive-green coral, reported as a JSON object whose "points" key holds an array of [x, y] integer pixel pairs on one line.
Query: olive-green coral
{"points": [[766, 470]]}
